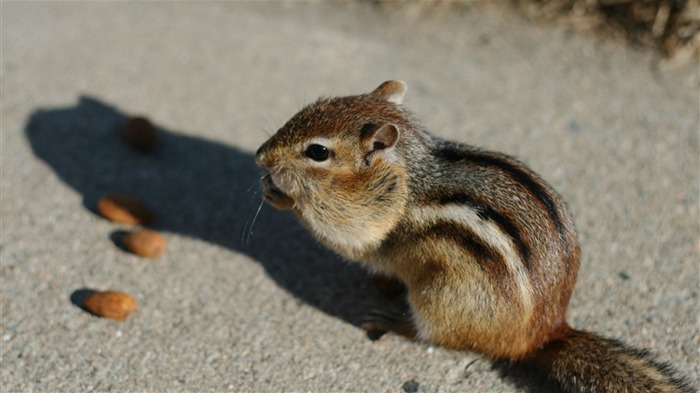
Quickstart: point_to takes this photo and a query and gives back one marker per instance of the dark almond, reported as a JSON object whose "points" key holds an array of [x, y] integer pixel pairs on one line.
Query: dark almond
{"points": [[140, 134], [125, 209]]}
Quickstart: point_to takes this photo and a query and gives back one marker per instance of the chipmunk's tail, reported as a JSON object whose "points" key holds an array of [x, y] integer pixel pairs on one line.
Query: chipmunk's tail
{"points": [[584, 362]]}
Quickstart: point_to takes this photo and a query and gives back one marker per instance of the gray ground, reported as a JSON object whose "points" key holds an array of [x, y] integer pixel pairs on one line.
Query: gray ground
{"points": [[228, 309]]}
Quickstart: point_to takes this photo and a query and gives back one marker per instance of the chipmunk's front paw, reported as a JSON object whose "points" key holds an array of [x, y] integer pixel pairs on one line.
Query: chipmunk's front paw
{"points": [[378, 322]]}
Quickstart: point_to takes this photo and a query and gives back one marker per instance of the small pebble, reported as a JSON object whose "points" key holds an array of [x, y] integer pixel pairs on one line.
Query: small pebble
{"points": [[410, 386]]}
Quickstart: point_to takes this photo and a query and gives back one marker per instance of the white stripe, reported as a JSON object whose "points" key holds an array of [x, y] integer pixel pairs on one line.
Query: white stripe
{"points": [[488, 232]]}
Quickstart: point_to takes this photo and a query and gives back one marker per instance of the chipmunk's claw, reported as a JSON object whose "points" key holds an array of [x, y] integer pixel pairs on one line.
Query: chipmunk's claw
{"points": [[378, 322]]}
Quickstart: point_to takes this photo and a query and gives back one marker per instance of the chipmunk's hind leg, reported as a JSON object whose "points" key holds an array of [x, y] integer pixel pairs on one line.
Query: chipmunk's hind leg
{"points": [[378, 322]]}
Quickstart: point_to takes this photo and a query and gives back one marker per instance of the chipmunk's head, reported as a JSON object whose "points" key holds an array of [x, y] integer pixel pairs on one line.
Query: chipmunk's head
{"points": [[338, 164]]}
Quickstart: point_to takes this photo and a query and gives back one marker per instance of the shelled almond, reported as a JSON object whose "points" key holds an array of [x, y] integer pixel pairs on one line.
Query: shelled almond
{"points": [[110, 304]]}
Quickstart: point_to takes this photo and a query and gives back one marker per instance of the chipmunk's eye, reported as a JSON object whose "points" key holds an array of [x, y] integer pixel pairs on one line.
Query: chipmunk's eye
{"points": [[317, 152]]}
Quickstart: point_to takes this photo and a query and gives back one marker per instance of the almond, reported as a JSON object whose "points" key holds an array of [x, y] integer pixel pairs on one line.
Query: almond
{"points": [[140, 134], [126, 209], [146, 243], [110, 304]]}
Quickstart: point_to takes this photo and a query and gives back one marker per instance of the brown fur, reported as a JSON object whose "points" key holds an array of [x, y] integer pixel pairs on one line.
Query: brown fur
{"points": [[486, 248], [608, 366]]}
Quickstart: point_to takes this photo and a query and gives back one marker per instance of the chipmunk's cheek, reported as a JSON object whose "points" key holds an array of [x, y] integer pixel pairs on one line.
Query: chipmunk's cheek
{"points": [[317, 174], [345, 182]]}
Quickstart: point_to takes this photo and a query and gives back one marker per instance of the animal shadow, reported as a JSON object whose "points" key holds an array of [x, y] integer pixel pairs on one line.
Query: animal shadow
{"points": [[205, 190], [198, 188]]}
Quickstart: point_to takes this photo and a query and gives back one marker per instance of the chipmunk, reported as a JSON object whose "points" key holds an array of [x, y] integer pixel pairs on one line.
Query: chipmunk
{"points": [[486, 249]]}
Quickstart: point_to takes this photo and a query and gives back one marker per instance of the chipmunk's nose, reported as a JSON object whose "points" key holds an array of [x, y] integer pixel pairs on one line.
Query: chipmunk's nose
{"points": [[267, 154], [260, 156]]}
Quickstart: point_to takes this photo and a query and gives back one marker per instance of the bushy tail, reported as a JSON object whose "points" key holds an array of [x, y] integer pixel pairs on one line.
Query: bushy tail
{"points": [[583, 362]]}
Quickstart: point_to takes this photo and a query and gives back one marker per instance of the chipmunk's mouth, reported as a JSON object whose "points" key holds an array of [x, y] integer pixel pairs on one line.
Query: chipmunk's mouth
{"points": [[273, 195]]}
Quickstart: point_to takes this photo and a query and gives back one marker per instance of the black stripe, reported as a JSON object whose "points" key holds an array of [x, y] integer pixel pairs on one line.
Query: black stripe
{"points": [[391, 187], [490, 260], [486, 212], [452, 153], [384, 187]]}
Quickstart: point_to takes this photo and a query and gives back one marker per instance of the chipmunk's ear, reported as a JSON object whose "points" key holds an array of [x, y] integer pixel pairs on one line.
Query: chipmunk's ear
{"points": [[392, 91], [382, 138]]}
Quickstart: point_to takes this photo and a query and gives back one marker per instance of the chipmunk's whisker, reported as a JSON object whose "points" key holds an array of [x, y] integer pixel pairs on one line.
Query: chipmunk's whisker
{"points": [[255, 183], [252, 224], [247, 228]]}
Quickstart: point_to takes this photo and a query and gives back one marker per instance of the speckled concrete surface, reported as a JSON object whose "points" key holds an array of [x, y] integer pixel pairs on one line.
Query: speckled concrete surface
{"points": [[230, 308]]}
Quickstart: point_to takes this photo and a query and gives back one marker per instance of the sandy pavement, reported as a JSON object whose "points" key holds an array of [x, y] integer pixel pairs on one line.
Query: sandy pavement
{"points": [[233, 306]]}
